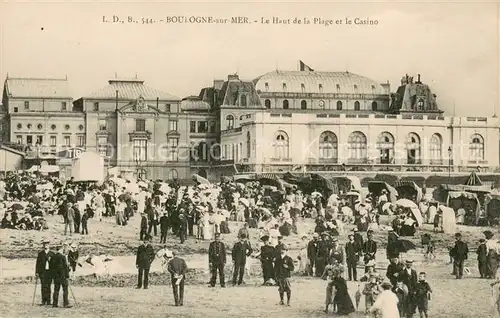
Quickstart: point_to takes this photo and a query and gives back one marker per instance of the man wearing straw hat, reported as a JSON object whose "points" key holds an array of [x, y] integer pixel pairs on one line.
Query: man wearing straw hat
{"points": [[284, 267], [42, 271]]}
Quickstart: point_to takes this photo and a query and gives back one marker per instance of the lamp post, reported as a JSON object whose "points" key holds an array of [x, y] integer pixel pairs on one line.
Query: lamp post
{"points": [[449, 164]]}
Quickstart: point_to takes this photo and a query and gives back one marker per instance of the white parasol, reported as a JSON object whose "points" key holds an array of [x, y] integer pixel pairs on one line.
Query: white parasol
{"points": [[405, 203]]}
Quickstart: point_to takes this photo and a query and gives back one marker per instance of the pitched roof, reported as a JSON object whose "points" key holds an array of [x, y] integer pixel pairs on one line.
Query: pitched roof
{"points": [[131, 89], [37, 87]]}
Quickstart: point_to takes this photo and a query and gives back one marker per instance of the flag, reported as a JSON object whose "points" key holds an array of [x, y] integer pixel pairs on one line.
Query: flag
{"points": [[304, 67]]}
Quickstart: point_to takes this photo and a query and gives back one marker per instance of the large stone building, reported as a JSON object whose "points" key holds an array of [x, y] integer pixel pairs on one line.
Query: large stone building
{"points": [[283, 120]]}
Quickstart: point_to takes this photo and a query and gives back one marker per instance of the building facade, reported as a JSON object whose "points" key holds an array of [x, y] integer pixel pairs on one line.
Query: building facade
{"points": [[283, 120]]}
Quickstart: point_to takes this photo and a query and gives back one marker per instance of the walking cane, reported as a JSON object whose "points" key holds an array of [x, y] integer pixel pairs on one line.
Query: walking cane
{"points": [[72, 294], [34, 292]]}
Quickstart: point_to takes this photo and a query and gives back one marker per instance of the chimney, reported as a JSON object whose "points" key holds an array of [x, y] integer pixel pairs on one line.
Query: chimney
{"points": [[116, 100], [418, 79], [218, 84]]}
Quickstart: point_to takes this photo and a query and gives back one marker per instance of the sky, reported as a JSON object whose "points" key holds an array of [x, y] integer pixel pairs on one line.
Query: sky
{"points": [[455, 47]]}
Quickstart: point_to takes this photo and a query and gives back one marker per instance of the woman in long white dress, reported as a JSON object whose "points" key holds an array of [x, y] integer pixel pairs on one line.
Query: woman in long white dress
{"points": [[386, 304], [206, 226]]}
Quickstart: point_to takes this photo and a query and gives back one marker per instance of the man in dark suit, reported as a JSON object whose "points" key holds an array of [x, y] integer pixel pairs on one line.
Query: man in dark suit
{"points": [[144, 226], [394, 269], [312, 247], [59, 270], [240, 251], [42, 272], [145, 256], [163, 228], [459, 253], [369, 248], [352, 253], [284, 267], [177, 268], [267, 255], [217, 260], [409, 278]]}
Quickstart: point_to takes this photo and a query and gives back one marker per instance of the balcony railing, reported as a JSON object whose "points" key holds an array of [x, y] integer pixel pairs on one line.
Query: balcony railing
{"points": [[230, 131]]}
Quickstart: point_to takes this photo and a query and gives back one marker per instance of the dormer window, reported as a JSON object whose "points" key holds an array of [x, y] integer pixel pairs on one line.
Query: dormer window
{"points": [[355, 88], [373, 88], [420, 104], [26, 105], [338, 88], [303, 87], [266, 86], [284, 86], [320, 87], [243, 100]]}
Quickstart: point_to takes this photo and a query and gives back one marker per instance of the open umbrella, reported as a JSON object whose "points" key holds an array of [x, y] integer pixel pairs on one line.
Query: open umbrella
{"points": [[200, 179], [17, 206], [245, 202], [405, 203], [405, 245]]}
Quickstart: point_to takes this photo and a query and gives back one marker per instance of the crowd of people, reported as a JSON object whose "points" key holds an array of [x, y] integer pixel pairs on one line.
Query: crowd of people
{"points": [[203, 212]]}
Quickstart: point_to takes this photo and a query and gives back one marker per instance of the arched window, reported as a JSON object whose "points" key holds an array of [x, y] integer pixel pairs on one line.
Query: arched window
{"points": [[328, 145], [435, 149], [229, 122], [303, 104], [267, 103], [357, 106], [243, 100], [285, 104], [420, 104], [476, 147], [281, 145], [173, 174], [249, 145], [339, 105], [374, 106], [385, 145], [357, 147], [412, 149]]}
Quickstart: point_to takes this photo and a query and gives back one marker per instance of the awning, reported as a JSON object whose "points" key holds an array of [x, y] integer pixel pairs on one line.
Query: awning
{"points": [[458, 194], [473, 180], [376, 188], [405, 186], [353, 183], [325, 182], [468, 188], [244, 177]]}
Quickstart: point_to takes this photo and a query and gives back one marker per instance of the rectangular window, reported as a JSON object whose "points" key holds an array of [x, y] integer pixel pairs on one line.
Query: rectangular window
{"points": [[67, 141], [202, 126], [167, 108], [192, 126], [63, 106], [53, 141], [140, 125], [225, 152], [81, 141], [140, 147], [29, 140], [96, 106], [173, 149], [320, 87], [284, 86], [212, 127], [39, 140], [102, 124], [102, 146], [338, 88], [16, 109], [173, 125], [26, 105], [19, 139]]}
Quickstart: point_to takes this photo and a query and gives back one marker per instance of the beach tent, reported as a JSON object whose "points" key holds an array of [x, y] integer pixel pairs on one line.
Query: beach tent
{"points": [[449, 221], [405, 203], [458, 199], [376, 188], [492, 206], [408, 190], [347, 183]]}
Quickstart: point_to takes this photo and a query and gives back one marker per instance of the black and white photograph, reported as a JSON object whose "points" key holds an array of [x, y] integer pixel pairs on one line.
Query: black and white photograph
{"points": [[250, 159]]}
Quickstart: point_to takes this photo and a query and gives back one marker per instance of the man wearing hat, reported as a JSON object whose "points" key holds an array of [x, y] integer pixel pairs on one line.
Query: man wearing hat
{"points": [[336, 253], [217, 261], [312, 250], [394, 269], [279, 247], [459, 253], [177, 268], [284, 267], [353, 252], [369, 248], [42, 271], [144, 258], [240, 251], [267, 255], [322, 254], [144, 226], [59, 270], [163, 227], [409, 278]]}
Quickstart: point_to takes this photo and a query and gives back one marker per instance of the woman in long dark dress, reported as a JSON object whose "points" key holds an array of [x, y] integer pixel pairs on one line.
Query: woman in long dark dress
{"points": [[342, 299]]}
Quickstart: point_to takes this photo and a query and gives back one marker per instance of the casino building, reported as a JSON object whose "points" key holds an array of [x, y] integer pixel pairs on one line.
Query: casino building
{"points": [[302, 120]]}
